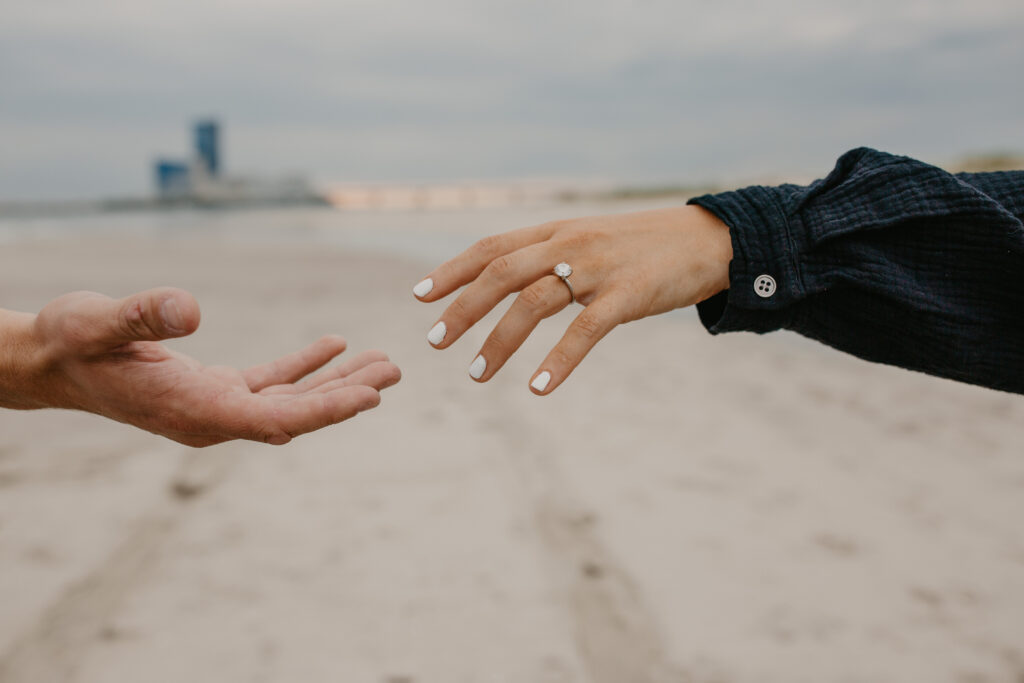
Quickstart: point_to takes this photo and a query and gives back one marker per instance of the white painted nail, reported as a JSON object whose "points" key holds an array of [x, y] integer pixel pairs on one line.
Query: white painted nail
{"points": [[540, 382], [437, 333], [476, 369], [423, 287]]}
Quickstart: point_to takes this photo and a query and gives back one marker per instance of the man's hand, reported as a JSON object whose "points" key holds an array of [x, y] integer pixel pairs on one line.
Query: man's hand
{"points": [[89, 352]]}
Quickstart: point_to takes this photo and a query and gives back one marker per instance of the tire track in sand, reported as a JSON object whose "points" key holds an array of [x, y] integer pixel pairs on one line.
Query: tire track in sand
{"points": [[55, 646], [617, 639]]}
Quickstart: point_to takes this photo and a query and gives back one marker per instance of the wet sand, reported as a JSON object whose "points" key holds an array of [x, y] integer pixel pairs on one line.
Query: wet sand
{"points": [[685, 508]]}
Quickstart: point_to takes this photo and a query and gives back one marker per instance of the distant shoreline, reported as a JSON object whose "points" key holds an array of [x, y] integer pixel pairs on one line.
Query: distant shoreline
{"points": [[33, 209], [426, 196]]}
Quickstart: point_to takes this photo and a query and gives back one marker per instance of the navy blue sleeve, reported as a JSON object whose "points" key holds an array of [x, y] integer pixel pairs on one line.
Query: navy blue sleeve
{"points": [[888, 258]]}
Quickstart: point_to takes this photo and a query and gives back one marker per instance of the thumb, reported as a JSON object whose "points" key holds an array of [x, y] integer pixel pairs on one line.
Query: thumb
{"points": [[162, 313]]}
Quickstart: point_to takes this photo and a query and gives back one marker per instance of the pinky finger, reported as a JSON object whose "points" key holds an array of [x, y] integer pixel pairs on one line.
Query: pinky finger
{"points": [[589, 327]]}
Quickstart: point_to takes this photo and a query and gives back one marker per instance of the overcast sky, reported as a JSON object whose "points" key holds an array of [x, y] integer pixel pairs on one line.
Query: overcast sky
{"points": [[636, 91]]}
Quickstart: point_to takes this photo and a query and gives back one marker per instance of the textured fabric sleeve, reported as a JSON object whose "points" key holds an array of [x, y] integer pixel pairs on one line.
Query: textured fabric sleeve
{"points": [[887, 258]]}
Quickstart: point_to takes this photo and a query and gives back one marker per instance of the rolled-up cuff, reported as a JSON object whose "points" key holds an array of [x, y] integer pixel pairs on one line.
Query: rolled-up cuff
{"points": [[764, 282]]}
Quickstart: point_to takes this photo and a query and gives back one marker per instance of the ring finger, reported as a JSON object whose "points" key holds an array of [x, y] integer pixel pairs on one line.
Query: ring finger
{"points": [[543, 299]]}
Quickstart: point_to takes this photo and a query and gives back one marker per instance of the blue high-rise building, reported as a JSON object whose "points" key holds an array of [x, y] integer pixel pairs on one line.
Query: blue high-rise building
{"points": [[207, 141], [172, 178]]}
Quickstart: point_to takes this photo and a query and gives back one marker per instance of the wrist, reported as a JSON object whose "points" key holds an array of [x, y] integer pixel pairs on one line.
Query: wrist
{"points": [[716, 251], [24, 368]]}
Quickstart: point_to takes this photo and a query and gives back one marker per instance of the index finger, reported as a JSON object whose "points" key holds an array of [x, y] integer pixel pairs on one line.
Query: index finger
{"points": [[465, 267]]}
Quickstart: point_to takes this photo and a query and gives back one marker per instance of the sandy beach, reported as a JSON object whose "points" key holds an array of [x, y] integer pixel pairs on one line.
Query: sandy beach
{"points": [[685, 509]]}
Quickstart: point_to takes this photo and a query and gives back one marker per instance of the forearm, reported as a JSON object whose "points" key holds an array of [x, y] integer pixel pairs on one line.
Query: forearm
{"points": [[21, 362]]}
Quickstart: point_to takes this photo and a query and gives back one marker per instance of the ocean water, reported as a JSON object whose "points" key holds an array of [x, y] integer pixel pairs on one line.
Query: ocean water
{"points": [[428, 235]]}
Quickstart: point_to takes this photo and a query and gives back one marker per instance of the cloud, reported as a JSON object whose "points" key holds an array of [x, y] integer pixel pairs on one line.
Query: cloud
{"points": [[627, 89]]}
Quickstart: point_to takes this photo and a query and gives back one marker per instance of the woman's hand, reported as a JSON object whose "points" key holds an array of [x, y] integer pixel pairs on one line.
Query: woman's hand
{"points": [[88, 352], [624, 267]]}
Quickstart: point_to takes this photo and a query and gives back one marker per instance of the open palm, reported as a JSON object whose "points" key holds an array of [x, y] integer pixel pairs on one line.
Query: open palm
{"points": [[104, 356]]}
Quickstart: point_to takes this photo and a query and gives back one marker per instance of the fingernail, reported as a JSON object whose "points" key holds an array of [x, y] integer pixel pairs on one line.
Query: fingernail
{"points": [[172, 316], [423, 287], [476, 369], [437, 332], [540, 382]]}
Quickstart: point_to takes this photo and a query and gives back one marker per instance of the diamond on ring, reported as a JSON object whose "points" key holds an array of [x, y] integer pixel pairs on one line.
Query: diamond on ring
{"points": [[563, 271]]}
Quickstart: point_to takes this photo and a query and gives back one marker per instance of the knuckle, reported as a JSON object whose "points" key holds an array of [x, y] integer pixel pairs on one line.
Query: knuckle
{"points": [[589, 325], [574, 239], [636, 283], [274, 436], [491, 244], [496, 346], [562, 359], [534, 298], [501, 268], [458, 309], [129, 319], [133, 322], [267, 430], [446, 272]]}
